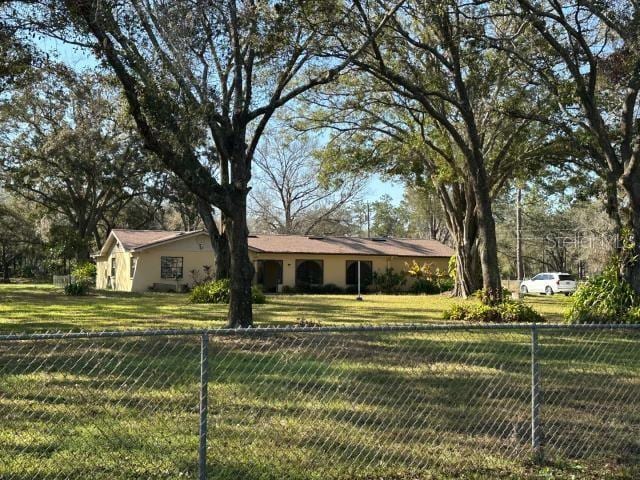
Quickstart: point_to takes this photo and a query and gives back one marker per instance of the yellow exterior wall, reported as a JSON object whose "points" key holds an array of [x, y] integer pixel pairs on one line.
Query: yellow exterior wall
{"points": [[196, 252], [335, 266]]}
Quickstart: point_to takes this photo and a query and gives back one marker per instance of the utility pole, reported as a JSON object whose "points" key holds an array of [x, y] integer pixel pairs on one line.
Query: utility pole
{"points": [[519, 259]]}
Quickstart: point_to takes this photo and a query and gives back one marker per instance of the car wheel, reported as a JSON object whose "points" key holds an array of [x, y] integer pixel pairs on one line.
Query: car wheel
{"points": [[524, 290], [548, 291], [566, 294]]}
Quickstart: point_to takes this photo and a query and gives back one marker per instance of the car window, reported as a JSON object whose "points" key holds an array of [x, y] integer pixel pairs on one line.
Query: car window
{"points": [[566, 277], [537, 277]]}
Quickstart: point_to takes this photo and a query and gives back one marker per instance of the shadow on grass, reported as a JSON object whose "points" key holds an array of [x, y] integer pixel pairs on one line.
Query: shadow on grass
{"points": [[319, 405]]}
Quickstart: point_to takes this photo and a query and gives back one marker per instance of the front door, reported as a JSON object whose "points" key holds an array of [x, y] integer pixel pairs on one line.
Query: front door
{"points": [[269, 275]]}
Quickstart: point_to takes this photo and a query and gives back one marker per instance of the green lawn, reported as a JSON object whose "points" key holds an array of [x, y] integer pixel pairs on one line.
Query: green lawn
{"points": [[376, 405], [29, 308]]}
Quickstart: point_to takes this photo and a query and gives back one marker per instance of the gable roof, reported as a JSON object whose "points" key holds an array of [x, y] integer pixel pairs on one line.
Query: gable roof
{"points": [[396, 247], [136, 240]]}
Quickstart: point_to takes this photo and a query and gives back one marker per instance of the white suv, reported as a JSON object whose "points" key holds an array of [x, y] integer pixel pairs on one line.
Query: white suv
{"points": [[549, 283]]}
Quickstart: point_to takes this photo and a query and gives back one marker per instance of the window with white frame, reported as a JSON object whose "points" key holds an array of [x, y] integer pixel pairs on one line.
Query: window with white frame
{"points": [[171, 267]]}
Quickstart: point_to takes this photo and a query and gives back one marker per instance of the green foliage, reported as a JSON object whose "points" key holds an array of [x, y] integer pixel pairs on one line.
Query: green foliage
{"points": [[76, 289], [211, 292], [427, 281], [85, 273], [452, 268], [606, 298], [218, 291], [388, 281], [506, 312], [257, 296]]}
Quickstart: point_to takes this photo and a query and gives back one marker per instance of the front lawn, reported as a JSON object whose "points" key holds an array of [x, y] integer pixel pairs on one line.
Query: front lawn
{"points": [[31, 308], [402, 405]]}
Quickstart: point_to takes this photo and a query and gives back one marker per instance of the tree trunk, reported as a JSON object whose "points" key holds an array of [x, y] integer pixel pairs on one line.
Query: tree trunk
{"points": [[467, 269], [458, 203], [6, 274], [240, 313], [630, 251], [612, 207], [82, 252], [219, 242], [488, 243]]}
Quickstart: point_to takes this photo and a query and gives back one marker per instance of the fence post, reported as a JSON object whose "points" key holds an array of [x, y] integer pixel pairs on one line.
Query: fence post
{"points": [[535, 394], [204, 382]]}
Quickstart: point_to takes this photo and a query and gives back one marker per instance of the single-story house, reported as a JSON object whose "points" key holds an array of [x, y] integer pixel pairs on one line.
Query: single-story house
{"points": [[135, 260]]}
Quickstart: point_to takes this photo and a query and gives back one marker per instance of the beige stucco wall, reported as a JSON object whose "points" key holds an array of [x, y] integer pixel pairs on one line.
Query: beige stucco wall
{"points": [[196, 252], [335, 266]]}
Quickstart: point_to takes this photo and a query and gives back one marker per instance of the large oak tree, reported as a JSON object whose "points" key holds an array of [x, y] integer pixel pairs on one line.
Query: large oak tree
{"points": [[215, 68]]}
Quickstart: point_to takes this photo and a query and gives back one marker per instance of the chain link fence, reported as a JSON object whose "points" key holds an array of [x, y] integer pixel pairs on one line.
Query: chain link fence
{"points": [[346, 402]]}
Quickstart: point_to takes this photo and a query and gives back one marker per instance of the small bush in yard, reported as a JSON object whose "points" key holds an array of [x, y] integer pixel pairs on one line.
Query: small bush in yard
{"points": [[76, 289], [388, 281], [606, 298], [506, 312], [218, 291], [84, 276], [84, 273]]}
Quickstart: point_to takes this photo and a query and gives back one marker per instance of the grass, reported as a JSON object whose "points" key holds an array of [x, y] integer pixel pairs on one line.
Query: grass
{"points": [[33, 308], [402, 405]]}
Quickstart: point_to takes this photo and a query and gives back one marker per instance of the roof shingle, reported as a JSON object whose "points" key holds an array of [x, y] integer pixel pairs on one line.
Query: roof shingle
{"points": [[397, 247]]}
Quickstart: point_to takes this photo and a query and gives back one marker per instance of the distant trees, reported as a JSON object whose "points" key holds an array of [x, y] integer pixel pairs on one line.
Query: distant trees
{"points": [[65, 147], [18, 235], [559, 232], [588, 56], [290, 194]]}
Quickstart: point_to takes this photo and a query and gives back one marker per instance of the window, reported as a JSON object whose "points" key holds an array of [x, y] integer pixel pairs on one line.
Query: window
{"points": [[566, 277], [132, 266], [538, 277], [170, 267], [366, 272], [309, 272], [113, 267]]}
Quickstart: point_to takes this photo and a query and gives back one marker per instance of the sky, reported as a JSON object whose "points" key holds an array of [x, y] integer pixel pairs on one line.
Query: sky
{"points": [[81, 59]]}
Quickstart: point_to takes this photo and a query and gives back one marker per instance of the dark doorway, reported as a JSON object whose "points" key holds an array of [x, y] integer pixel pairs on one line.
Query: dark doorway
{"points": [[269, 275], [366, 272], [309, 272]]}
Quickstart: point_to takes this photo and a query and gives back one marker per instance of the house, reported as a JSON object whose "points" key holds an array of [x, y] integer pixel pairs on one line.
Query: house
{"points": [[135, 260]]}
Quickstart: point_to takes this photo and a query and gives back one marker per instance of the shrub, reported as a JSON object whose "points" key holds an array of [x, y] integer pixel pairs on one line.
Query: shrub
{"points": [[606, 298], [211, 292], [424, 286], [388, 281], [76, 289], [84, 274], [331, 288], [426, 280], [257, 296], [506, 312], [218, 291]]}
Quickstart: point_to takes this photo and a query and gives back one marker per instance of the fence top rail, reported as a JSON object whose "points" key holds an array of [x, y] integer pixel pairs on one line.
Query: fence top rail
{"points": [[278, 330]]}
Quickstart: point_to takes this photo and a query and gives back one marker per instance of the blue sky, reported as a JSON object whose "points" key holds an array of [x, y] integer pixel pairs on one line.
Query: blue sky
{"points": [[81, 59], [378, 187]]}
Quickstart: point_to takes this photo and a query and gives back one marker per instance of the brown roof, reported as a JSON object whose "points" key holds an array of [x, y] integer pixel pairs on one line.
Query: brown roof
{"points": [[132, 239], [397, 247]]}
